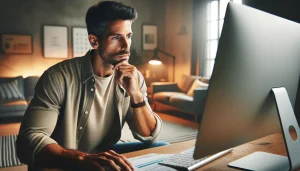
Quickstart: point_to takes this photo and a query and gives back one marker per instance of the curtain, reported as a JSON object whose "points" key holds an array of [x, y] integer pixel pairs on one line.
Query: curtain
{"points": [[199, 50]]}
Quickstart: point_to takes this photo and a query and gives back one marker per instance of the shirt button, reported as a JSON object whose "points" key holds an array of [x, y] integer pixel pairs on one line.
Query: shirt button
{"points": [[77, 141], [86, 112], [80, 127], [93, 80], [92, 89]]}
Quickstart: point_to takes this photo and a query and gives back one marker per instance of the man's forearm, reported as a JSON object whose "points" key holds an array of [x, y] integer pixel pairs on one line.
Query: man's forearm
{"points": [[54, 156], [144, 121]]}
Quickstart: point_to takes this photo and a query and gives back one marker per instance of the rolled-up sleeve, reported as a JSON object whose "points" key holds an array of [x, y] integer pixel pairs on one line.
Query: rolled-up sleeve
{"points": [[158, 127], [40, 118]]}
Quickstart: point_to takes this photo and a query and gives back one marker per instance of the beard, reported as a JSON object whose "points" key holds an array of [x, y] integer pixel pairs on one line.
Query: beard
{"points": [[111, 58]]}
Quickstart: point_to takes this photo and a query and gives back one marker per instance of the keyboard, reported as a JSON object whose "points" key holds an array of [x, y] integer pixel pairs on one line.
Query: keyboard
{"points": [[185, 160]]}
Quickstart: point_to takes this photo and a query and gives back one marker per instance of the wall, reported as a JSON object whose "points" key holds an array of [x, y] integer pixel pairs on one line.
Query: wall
{"points": [[28, 17], [178, 13]]}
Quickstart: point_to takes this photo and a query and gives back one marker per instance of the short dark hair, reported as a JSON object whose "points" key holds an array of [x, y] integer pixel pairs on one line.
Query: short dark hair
{"points": [[99, 14]]}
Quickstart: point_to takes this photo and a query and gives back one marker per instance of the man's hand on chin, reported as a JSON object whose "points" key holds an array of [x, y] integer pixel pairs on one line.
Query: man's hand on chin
{"points": [[127, 76]]}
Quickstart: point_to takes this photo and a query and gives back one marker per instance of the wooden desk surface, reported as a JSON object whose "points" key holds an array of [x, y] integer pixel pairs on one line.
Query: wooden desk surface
{"points": [[272, 144]]}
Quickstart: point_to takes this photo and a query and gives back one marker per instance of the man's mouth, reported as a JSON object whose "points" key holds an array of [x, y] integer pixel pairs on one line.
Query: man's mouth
{"points": [[123, 57]]}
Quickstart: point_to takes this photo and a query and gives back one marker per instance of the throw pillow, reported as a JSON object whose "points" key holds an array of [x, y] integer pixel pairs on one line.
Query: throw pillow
{"points": [[196, 84], [186, 82], [9, 92]]}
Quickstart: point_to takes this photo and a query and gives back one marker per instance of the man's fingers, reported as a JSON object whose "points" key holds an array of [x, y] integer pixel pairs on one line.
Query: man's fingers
{"points": [[120, 63], [92, 165], [120, 162], [126, 73], [110, 159], [122, 157], [129, 73], [108, 162], [126, 67]]}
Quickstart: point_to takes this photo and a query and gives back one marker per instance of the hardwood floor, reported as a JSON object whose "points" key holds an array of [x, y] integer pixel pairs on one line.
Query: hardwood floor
{"points": [[178, 120], [9, 128]]}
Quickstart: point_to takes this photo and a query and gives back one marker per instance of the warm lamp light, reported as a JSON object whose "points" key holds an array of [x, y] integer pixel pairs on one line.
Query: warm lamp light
{"points": [[156, 59], [155, 62]]}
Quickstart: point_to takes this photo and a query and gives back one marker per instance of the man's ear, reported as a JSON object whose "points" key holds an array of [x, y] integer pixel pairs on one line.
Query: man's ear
{"points": [[93, 41]]}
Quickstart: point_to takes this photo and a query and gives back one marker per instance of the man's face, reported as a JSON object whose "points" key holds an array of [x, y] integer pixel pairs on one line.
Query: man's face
{"points": [[114, 45]]}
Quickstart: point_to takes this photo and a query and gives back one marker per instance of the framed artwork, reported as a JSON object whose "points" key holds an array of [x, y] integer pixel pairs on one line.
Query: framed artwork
{"points": [[80, 40], [16, 44], [55, 41], [149, 37]]}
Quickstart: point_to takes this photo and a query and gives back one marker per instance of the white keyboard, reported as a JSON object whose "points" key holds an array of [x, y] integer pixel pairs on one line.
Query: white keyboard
{"points": [[185, 160]]}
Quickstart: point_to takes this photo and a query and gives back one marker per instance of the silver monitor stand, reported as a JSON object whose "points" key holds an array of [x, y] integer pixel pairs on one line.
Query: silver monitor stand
{"points": [[261, 161]]}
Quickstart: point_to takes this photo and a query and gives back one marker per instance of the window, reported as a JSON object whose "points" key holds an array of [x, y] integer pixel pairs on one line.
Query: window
{"points": [[215, 18]]}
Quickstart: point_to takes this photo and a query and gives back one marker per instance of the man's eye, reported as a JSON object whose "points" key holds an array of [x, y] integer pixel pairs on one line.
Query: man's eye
{"points": [[116, 37], [129, 36]]}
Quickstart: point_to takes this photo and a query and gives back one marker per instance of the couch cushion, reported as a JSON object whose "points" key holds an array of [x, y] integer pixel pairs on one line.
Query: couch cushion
{"points": [[196, 84], [9, 91], [19, 80], [12, 108], [205, 79], [164, 97], [186, 82], [183, 102]]}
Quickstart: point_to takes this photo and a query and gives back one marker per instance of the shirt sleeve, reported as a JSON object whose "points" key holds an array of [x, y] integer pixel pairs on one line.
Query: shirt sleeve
{"points": [[129, 119], [40, 118]]}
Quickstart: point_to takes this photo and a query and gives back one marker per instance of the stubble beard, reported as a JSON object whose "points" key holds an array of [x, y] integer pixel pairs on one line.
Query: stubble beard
{"points": [[107, 58], [110, 58]]}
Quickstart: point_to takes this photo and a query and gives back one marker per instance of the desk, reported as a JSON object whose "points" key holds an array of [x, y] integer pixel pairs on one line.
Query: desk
{"points": [[272, 144]]}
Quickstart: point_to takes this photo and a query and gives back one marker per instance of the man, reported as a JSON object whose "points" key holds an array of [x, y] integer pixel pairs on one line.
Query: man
{"points": [[81, 104]]}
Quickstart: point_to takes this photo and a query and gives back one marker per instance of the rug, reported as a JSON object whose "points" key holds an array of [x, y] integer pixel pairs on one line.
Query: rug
{"points": [[171, 132], [8, 155]]}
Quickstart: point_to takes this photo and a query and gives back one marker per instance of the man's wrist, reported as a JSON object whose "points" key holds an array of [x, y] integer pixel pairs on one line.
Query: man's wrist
{"points": [[137, 98], [72, 159], [137, 105]]}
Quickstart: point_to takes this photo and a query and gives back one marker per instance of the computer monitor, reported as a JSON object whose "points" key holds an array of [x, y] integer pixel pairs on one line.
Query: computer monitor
{"points": [[257, 51]]}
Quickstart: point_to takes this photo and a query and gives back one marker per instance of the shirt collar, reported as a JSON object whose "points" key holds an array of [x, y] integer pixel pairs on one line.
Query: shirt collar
{"points": [[87, 69]]}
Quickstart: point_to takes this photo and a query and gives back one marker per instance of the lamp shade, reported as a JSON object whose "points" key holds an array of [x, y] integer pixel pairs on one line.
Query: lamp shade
{"points": [[155, 59]]}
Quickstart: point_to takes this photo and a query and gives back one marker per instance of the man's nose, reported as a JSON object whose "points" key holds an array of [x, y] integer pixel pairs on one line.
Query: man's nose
{"points": [[125, 43]]}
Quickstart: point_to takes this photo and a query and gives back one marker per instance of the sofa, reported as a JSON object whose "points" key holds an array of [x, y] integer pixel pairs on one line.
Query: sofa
{"points": [[15, 95], [188, 95]]}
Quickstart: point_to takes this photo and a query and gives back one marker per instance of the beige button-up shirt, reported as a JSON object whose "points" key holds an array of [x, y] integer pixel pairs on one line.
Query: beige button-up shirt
{"points": [[60, 109]]}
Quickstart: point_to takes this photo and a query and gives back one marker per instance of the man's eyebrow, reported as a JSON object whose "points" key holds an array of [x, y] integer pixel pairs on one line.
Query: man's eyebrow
{"points": [[118, 34]]}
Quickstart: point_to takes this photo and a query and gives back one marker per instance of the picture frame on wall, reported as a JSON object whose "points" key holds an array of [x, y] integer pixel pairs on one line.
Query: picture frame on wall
{"points": [[149, 37], [55, 41], [80, 41], [16, 44]]}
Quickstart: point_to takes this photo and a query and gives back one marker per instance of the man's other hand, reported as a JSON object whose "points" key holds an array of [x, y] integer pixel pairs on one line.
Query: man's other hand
{"points": [[108, 160]]}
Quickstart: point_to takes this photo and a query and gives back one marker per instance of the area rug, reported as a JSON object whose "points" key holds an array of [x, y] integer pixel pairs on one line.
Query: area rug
{"points": [[171, 132], [8, 156]]}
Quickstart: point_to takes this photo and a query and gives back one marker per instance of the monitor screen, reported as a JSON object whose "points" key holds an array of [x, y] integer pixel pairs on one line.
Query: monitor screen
{"points": [[257, 51]]}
